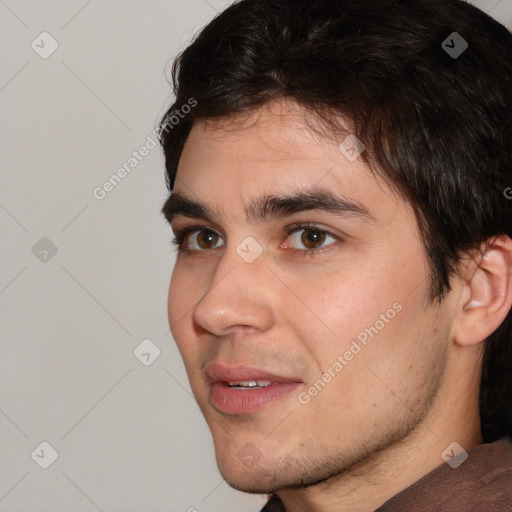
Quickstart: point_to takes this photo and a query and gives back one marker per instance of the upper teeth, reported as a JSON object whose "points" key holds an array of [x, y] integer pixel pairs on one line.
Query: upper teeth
{"points": [[251, 383]]}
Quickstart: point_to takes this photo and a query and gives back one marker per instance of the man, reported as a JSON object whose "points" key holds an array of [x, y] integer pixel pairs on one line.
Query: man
{"points": [[343, 286]]}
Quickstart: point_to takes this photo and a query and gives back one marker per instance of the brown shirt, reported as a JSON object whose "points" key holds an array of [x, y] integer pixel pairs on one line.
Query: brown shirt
{"points": [[482, 483]]}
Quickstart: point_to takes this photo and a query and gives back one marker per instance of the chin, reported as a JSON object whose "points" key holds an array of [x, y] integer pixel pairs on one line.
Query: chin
{"points": [[258, 483], [250, 471], [269, 475]]}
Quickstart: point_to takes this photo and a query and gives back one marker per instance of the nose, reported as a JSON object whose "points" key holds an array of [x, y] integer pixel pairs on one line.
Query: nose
{"points": [[239, 297]]}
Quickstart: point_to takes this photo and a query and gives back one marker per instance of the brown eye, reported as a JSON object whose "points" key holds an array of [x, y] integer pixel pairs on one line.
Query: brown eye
{"points": [[312, 238], [207, 239], [201, 240], [309, 238]]}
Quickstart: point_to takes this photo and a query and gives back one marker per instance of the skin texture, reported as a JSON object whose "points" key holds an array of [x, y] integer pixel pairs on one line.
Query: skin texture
{"points": [[383, 421]]}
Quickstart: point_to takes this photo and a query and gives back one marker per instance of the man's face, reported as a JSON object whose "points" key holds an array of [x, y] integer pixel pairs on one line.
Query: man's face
{"points": [[324, 310]]}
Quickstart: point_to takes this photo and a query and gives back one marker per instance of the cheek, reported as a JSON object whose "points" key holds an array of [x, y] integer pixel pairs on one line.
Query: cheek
{"points": [[175, 302], [375, 307], [180, 302], [185, 290], [342, 304], [388, 348], [373, 370]]}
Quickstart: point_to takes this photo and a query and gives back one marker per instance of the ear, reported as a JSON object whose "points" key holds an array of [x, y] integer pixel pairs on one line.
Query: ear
{"points": [[486, 292]]}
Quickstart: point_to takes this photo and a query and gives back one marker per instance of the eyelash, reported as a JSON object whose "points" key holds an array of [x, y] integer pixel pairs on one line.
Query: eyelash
{"points": [[182, 234]]}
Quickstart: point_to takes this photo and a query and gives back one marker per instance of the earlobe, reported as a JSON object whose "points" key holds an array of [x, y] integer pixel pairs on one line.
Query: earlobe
{"points": [[486, 297]]}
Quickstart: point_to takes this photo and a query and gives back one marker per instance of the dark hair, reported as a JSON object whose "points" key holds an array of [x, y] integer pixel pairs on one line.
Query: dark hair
{"points": [[437, 126]]}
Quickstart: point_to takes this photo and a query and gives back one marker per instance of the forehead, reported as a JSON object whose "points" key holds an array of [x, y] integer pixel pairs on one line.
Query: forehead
{"points": [[280, 148], [276, 132]]}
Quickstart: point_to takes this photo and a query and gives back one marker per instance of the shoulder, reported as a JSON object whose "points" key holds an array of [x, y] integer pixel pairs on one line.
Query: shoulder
{"points": [[482, 482]]}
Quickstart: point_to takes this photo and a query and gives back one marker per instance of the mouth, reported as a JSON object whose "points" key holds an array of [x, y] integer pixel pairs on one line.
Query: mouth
{"points": [[242, 389], [250, 384]]}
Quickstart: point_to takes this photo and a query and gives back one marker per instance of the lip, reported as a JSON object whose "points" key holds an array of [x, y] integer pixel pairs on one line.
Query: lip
{"points": [[242, 401], [218, 372]]}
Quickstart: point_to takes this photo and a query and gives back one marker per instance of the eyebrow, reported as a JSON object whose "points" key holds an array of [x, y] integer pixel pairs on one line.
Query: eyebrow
{"points": [[270, 206]]}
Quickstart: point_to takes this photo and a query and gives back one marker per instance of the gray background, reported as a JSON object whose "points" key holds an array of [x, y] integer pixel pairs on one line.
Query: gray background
{"points": [[129, 437]]}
